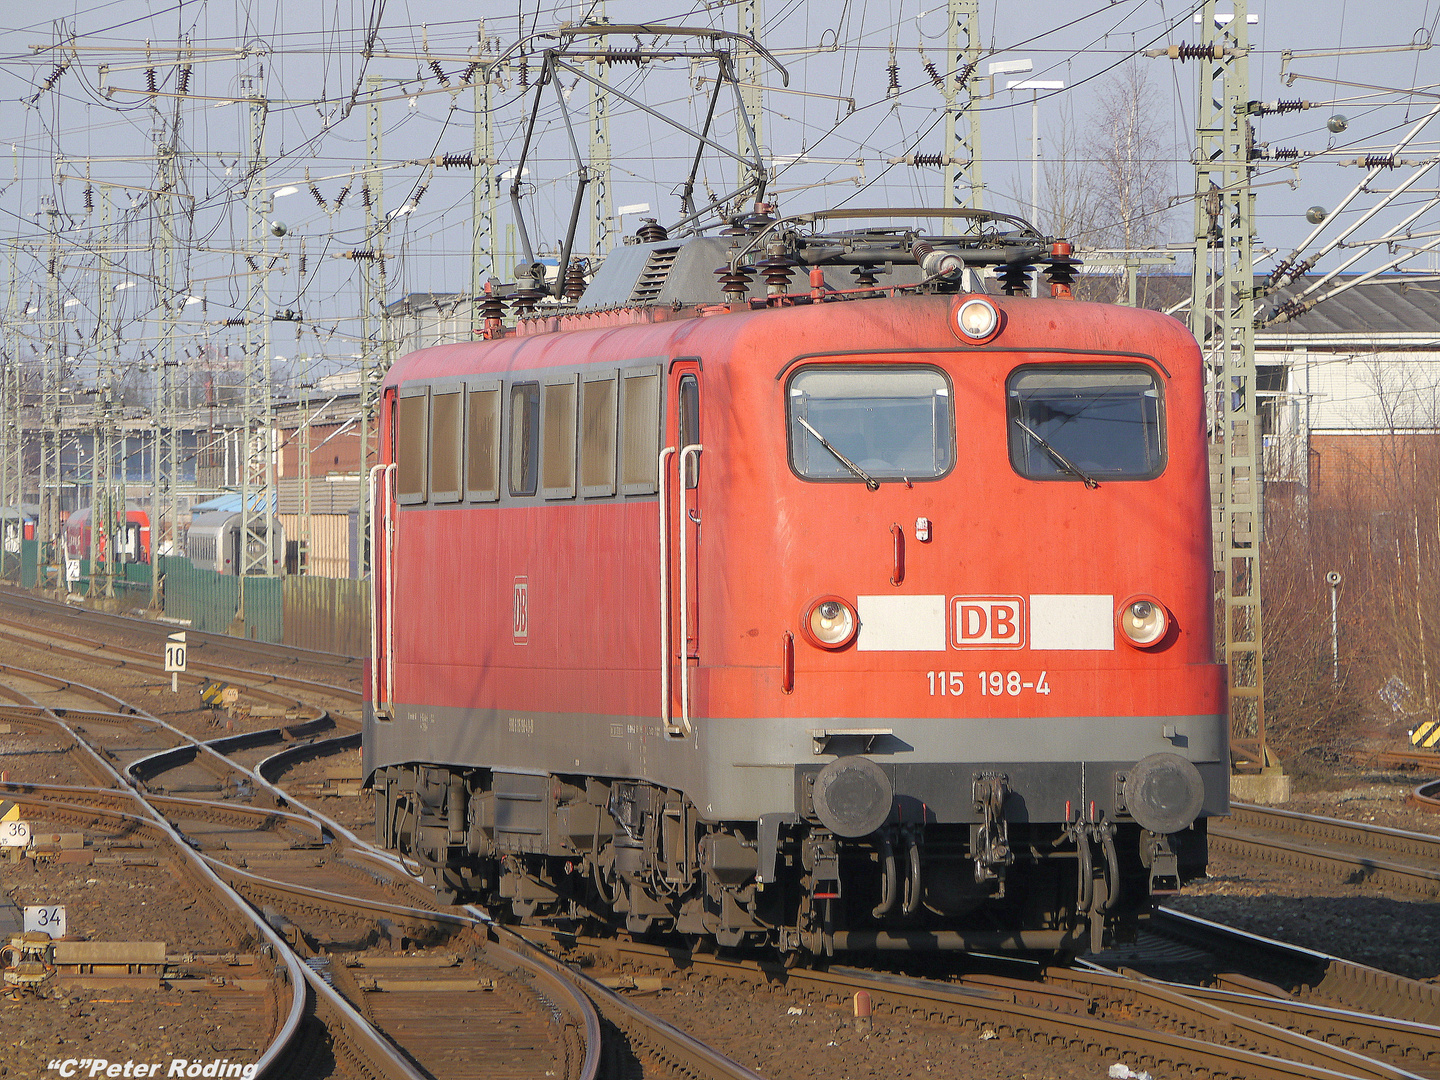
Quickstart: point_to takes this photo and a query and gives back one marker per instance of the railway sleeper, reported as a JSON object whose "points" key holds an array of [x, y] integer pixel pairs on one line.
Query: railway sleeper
{"points": [[568, 849]]}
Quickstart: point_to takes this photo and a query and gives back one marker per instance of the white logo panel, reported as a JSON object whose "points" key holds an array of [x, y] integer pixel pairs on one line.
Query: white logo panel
{"points": [[901, 624], [1072, 622]]}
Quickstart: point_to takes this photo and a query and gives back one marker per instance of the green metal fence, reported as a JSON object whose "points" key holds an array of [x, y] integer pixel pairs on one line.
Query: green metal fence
{"points": [[212, 602]]}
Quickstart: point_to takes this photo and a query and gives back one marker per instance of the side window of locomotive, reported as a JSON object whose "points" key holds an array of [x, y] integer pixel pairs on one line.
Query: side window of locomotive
{"points": [[892, 422], [598, 401], [446, 423], [690, 426], [482, 443], [557, 416], [640, 430], [412, 416], [1073, 422], [524, 438]]}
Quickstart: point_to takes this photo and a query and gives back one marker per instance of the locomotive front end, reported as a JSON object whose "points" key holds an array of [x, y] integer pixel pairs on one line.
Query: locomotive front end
{"points": [[993, 564]]}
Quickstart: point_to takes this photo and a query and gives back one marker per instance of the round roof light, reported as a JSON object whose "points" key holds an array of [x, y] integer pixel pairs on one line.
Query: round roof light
{"points": [[977, 320]]}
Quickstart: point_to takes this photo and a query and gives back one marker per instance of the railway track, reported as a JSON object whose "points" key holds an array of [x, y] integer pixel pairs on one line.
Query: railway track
{"points": [[201, 642], [1400, 860], [1148, 1023], [316, 883], [320, 887], [1426, 797]]}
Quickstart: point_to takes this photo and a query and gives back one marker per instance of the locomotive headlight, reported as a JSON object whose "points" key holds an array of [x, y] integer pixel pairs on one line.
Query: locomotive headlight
{"points": [[977, 320], [830, 623], [1143, 621]]}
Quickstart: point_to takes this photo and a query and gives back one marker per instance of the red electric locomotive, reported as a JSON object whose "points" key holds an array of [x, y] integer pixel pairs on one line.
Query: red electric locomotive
{"points": [[868, 614]]}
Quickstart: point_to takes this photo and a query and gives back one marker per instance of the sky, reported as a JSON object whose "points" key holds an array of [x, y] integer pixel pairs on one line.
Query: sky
{"points": [[830, 136]]}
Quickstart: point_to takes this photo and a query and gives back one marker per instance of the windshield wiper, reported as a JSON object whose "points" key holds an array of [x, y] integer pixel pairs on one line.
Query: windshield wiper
{"points": [[1060, 459], [870, 481]]}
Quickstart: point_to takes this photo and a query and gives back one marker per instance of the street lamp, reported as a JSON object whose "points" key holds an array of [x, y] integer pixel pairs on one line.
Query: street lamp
{"points": [[1035, 86]]}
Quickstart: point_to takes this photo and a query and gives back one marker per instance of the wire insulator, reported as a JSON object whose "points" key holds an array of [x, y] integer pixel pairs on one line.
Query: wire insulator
{"points": [[493, 306], [651, 231], [182, 84], [53, 77], [1381, 161], [1184, 52], [439, 73], [362, 254], [864, 275], [150, 84], [468, 76], [1061, 269], [319, 199], [419, 194], [624, 56], [89, 198], [250, 262], [1287, 105], [1285, 153], [934, 75], [893, 69], [234, 322], [457, 161], [1014, 278], [575, 279], [926, 159], [339, 199], [963, 75], [365, 196], [734, 284], [524, 73]]}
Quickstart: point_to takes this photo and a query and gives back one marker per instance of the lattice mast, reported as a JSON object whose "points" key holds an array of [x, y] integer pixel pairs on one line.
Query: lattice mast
{"points": [[257, 475], [376, 350], [601, 210], [961, 167], [483, 198], [51, 375], [752, 92], [1223, 320]]}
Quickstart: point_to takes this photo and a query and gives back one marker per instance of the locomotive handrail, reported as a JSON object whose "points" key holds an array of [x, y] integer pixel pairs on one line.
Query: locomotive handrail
{"points": [[387, 483], [375, 700], [691, 451], [665, 596]]}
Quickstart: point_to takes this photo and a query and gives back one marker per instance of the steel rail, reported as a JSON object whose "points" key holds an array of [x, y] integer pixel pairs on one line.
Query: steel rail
{"points": [[993, 1007], [1317, 976], [568, 998], [96, 652], [1281, 836], [1426, 797], [296, 971]]}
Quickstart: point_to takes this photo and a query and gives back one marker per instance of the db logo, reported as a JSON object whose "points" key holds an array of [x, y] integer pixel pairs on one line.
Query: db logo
{"points": [[989, 622], [522, 611]]}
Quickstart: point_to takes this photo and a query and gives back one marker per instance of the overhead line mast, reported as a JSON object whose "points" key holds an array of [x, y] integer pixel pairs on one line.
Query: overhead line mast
{"points": [[961, 171], [1222, 318]]}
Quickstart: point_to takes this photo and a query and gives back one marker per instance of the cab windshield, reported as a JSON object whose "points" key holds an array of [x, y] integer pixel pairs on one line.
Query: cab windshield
{"points": [[1074, 422], [891, 422]]}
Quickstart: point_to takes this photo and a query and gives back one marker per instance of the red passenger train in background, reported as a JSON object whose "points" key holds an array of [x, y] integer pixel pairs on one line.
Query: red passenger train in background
{"points": [[131, 543], [873, 614]]}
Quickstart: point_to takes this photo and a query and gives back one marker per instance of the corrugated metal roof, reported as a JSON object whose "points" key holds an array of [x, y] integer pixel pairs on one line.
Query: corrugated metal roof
{"points": [[1396, 304]]}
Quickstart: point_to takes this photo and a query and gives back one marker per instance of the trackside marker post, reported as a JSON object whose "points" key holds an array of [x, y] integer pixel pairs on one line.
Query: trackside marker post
{"points": [[175, 659]]}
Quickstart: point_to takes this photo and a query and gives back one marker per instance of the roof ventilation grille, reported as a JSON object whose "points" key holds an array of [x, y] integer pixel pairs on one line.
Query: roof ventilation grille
{"points": [[652, 278]]}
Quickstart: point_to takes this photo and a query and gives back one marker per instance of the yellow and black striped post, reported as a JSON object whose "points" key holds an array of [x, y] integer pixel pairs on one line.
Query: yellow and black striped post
{"points": [[1427, 734]]}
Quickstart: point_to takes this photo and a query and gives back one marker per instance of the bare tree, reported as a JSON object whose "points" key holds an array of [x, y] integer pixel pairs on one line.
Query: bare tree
{"points": [[1132, 164], [1107, 184]]}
